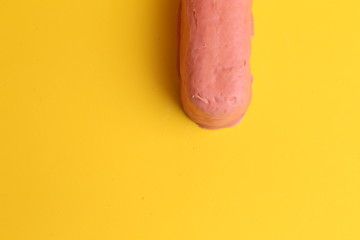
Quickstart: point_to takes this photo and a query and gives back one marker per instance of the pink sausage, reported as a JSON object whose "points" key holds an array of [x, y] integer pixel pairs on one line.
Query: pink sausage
{"points": [[215, 48]]}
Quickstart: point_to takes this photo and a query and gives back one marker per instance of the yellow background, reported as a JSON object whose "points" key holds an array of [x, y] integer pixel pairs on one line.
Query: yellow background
{"points": [[94, 145]]}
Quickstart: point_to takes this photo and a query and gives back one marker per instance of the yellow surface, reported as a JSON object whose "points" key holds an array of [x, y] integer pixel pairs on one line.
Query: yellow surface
{"points": [[94, 145]]}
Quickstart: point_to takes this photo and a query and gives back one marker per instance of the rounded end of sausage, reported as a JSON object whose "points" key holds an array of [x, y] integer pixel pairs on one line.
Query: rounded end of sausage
{"points": [[215, 113]]}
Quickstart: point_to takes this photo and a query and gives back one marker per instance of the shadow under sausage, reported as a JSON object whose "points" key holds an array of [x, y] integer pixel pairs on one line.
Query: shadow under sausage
{"points": [[167, 44]]}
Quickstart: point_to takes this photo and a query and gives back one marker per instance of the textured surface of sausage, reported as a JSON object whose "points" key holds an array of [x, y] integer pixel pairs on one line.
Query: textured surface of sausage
{"points": [[215, 48]]}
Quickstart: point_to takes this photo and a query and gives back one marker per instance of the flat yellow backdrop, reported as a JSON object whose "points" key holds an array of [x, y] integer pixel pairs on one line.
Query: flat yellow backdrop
{"points": [[94, 145]]}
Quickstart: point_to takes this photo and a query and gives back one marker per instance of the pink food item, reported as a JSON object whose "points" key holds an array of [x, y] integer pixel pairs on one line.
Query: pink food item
{"points": [[215, 48]]}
